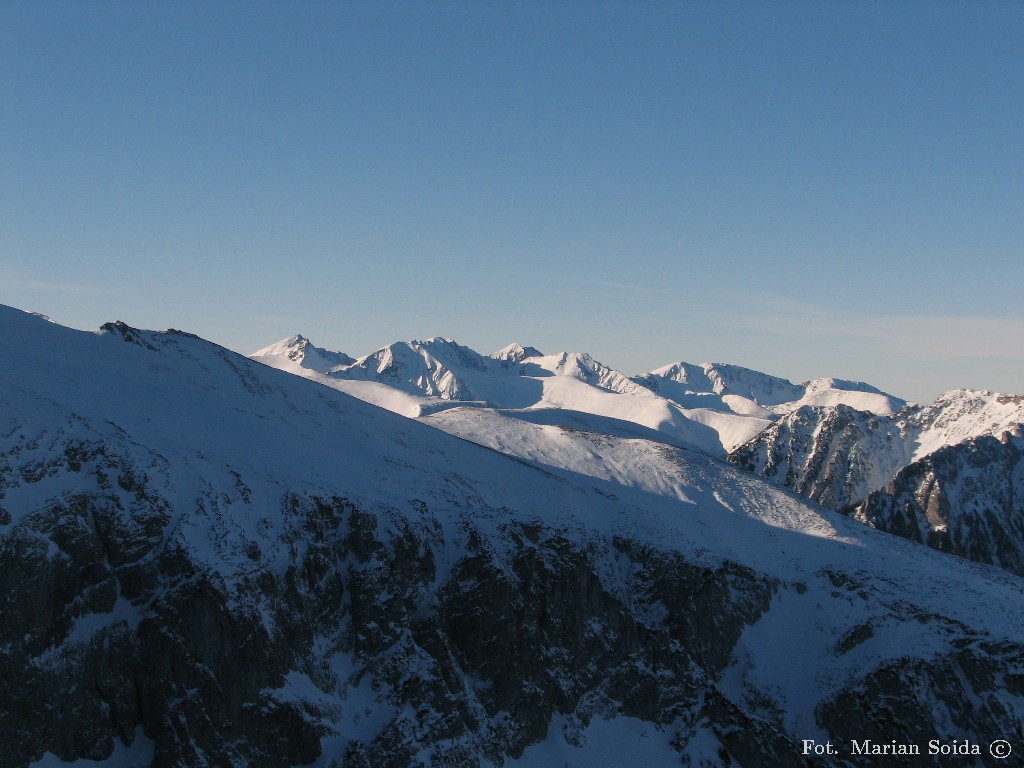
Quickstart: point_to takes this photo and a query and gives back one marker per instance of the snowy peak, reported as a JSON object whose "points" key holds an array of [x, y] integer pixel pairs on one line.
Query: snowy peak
{"points": [[722, 387], [301, 350], [714, 406], [450, 354], [855, 394], [583, 367], [445, 369], [726, 387], [723, 378], [431, 368], [290, 346], [961, 414], [515, 353]]}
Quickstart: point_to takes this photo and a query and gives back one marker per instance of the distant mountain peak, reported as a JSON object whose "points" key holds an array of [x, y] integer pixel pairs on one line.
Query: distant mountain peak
{"points": [[301, 350], [435, 340], [516, 353]]}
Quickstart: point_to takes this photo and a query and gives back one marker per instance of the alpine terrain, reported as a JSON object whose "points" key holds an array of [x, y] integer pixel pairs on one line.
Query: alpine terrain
{"points": [[946, 474], [834, 441], [714, 407], [209, 562]]}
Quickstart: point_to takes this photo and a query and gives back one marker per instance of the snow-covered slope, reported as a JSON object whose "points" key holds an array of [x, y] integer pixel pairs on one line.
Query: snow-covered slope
{"points": [[832, 441], [301, 352], [515, 353], [957, 416], [837, 456], [239, 567], [438, 373], [751, 393]]}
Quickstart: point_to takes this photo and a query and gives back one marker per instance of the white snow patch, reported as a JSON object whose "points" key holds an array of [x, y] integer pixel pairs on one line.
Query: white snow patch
{"points": [[138, 755]]}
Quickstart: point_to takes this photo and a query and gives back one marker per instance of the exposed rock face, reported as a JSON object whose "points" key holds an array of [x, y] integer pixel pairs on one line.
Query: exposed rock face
{"points": [[118, 628], [964, 687], [112, 628], [831, 455], [110, 625], [967, 499], [896, 474], [109, 628]]}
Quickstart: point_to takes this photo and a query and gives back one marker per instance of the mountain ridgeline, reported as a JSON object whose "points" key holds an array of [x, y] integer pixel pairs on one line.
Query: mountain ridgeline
{"points": [[713, 406], [835, 442], [208, 562]]}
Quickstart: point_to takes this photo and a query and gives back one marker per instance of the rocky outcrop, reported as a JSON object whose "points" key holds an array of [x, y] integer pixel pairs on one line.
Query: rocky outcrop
{"points": [[959, 498], [832, 455], [967, 499]]}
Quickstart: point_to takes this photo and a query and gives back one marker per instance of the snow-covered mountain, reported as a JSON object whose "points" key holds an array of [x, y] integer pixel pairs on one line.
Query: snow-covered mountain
{"points": [[837, 456], [751, 393], [208, 562], [421, 377], [713, 407], [300, 351], [830, 440]]}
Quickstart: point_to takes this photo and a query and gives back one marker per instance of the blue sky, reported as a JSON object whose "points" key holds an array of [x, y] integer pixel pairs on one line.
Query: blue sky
{"points": [[809, 189]]}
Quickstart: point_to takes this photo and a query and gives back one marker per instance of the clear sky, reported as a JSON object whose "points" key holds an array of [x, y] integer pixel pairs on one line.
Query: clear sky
{"points": [[808, 189]]}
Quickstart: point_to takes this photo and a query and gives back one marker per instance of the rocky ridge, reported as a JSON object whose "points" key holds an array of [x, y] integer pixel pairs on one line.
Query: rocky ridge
{"points": [[941, 474], [964, 499]]}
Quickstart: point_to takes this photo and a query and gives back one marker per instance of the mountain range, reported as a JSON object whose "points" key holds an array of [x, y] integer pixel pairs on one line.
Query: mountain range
{"points": [[209, 562], [712, 406], [833, 441]]}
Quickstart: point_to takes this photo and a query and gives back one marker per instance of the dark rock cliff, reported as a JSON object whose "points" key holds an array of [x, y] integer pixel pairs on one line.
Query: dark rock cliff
{"points": [[834, 455], [113, 630], [966, 499]]}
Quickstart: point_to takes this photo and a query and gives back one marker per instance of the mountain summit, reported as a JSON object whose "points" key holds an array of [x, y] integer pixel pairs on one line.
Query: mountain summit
{"points": [[516, 353], [301, 351]]}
